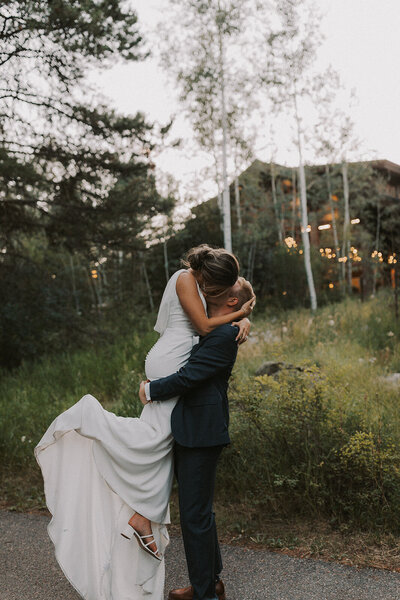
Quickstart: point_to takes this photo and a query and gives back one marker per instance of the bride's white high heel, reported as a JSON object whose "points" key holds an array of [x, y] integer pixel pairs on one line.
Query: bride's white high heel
{"points": [[129, 532]]}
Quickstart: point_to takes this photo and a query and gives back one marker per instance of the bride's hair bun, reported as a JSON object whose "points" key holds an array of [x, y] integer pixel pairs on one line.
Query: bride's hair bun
{"points": [[218, 268], [198, 256]]}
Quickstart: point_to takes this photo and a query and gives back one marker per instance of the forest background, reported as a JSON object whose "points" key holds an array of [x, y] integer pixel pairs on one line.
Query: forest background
{"points": [[90, 231]]}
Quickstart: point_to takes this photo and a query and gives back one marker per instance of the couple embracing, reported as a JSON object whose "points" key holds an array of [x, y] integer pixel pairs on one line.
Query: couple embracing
{"points": [[108, 479]]}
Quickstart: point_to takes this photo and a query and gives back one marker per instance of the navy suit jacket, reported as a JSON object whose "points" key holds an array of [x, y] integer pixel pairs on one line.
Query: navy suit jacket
{"points": [[201, 415]]}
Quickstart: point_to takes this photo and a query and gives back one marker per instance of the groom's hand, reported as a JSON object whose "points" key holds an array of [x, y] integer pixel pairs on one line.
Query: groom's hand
{"points": [[142, 393]]}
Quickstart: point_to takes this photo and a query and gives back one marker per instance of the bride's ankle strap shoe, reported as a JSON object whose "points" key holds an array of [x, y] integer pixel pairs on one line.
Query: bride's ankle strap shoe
{"points": [[129, 532]]}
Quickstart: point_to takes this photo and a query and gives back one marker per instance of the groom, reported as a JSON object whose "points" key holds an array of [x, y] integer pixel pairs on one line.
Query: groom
{"points": [[200, 427]]}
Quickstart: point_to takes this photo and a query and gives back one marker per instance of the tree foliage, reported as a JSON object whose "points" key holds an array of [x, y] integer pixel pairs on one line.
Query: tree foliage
{"points": [[75, 176], [68, 163]]}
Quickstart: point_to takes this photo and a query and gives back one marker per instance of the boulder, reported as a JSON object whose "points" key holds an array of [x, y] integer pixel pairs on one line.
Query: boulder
{"points": [[271, 367]]}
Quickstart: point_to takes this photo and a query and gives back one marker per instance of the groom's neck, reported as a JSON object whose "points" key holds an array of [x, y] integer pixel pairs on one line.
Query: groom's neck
{"points": [[218, 311]]}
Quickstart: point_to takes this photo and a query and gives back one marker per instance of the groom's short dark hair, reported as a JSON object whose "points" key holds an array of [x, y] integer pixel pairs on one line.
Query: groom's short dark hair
{"points": [[244, 293]]}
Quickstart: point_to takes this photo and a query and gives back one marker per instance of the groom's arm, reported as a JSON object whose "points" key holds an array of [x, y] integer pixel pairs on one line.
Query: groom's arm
{"points": [[218, 351]]}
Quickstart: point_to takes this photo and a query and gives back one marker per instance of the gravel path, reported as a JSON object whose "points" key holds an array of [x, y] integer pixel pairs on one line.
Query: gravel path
{"points": [[28, 571]]}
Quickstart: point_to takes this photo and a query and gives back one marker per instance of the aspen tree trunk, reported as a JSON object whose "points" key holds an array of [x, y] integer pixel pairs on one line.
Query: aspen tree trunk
{"points": [[219, 193], [148, 288], [275, 201], [377, 242], [105, 285], [294, 197], [100, 285], [136, 271], [251, 260], [237, 202], [219, 200], [334, 228], [346, 226], [225, 194], [120, 268], [75, 295], [166, 265], [93, 290], [304, 216]]}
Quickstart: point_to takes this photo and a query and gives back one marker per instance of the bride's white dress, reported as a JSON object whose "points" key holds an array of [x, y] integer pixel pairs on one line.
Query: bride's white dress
{"points": [[98, 468]]}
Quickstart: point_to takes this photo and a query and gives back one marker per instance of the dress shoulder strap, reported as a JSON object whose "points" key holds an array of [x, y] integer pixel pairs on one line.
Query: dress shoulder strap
{"points": [[168, 295]]}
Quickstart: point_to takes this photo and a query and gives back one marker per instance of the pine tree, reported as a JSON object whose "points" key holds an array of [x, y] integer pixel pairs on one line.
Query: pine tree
{"points": [[61, 151]]}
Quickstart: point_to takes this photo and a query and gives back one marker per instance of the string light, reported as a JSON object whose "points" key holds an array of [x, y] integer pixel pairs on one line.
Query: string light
{"points": [[354, 221], [355, 256], [290, 242], [327, 252], [377, 256], [327, 226]]}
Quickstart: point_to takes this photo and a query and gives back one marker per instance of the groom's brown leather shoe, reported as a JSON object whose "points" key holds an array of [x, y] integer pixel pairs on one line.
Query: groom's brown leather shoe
{"points": [[187, 592]]}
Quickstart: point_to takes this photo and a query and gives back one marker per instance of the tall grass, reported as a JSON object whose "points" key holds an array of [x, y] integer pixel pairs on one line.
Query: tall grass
{"points": [[323, 441], [35, 393]]}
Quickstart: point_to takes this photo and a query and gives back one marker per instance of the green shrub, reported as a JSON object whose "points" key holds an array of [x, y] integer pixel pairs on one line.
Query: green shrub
{"points": [[294, 451], [322, 442], [35, 393]]}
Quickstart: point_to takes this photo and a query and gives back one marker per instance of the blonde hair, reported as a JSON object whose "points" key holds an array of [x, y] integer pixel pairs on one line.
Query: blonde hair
{"points": [[219, 269], [245, 293]]}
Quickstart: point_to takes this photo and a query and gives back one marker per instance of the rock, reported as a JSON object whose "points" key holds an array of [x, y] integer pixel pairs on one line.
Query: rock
{"points": [[271, 367], [391, 379]]}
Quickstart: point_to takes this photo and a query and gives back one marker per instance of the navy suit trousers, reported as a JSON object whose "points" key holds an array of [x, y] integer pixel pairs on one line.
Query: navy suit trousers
{"points": [[195, 470]]}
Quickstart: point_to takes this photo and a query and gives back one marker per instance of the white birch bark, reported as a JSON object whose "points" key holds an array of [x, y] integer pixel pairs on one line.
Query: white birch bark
{"points": [[237, 202], [304, 214], [275, 201], [166, 265], [377, 242], [346, 227], [148, 288], [294, 198], [74, 292], [225, 194], [334, 228]]}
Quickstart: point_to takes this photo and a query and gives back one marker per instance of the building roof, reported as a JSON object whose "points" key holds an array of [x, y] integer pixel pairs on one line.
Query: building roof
{"points": [[387, 165]]}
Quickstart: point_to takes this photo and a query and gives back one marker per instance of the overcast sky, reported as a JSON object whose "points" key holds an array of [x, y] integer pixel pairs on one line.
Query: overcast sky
{"points": [[362, 43]]}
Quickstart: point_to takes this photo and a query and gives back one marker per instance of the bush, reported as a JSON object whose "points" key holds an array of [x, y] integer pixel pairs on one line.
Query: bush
{"points": [[35, 393], [295, 452]]}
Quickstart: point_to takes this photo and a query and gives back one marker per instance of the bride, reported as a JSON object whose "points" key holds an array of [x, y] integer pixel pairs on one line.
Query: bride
{"points": [[105, 475]]}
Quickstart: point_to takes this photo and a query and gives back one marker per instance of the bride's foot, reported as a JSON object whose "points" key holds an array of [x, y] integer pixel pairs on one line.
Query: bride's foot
{"points": [[144, 534]]}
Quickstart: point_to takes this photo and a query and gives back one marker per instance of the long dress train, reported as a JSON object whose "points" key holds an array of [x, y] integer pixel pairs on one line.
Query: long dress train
{"points": [[99, 468]]}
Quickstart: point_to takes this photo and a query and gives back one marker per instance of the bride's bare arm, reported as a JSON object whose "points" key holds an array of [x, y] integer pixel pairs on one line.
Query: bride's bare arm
{"points": [[186, 288]]}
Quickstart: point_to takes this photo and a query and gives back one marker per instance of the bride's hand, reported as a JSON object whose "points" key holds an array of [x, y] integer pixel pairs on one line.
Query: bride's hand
{"points": [[142, 393], [248, 306], [244, 330]]}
